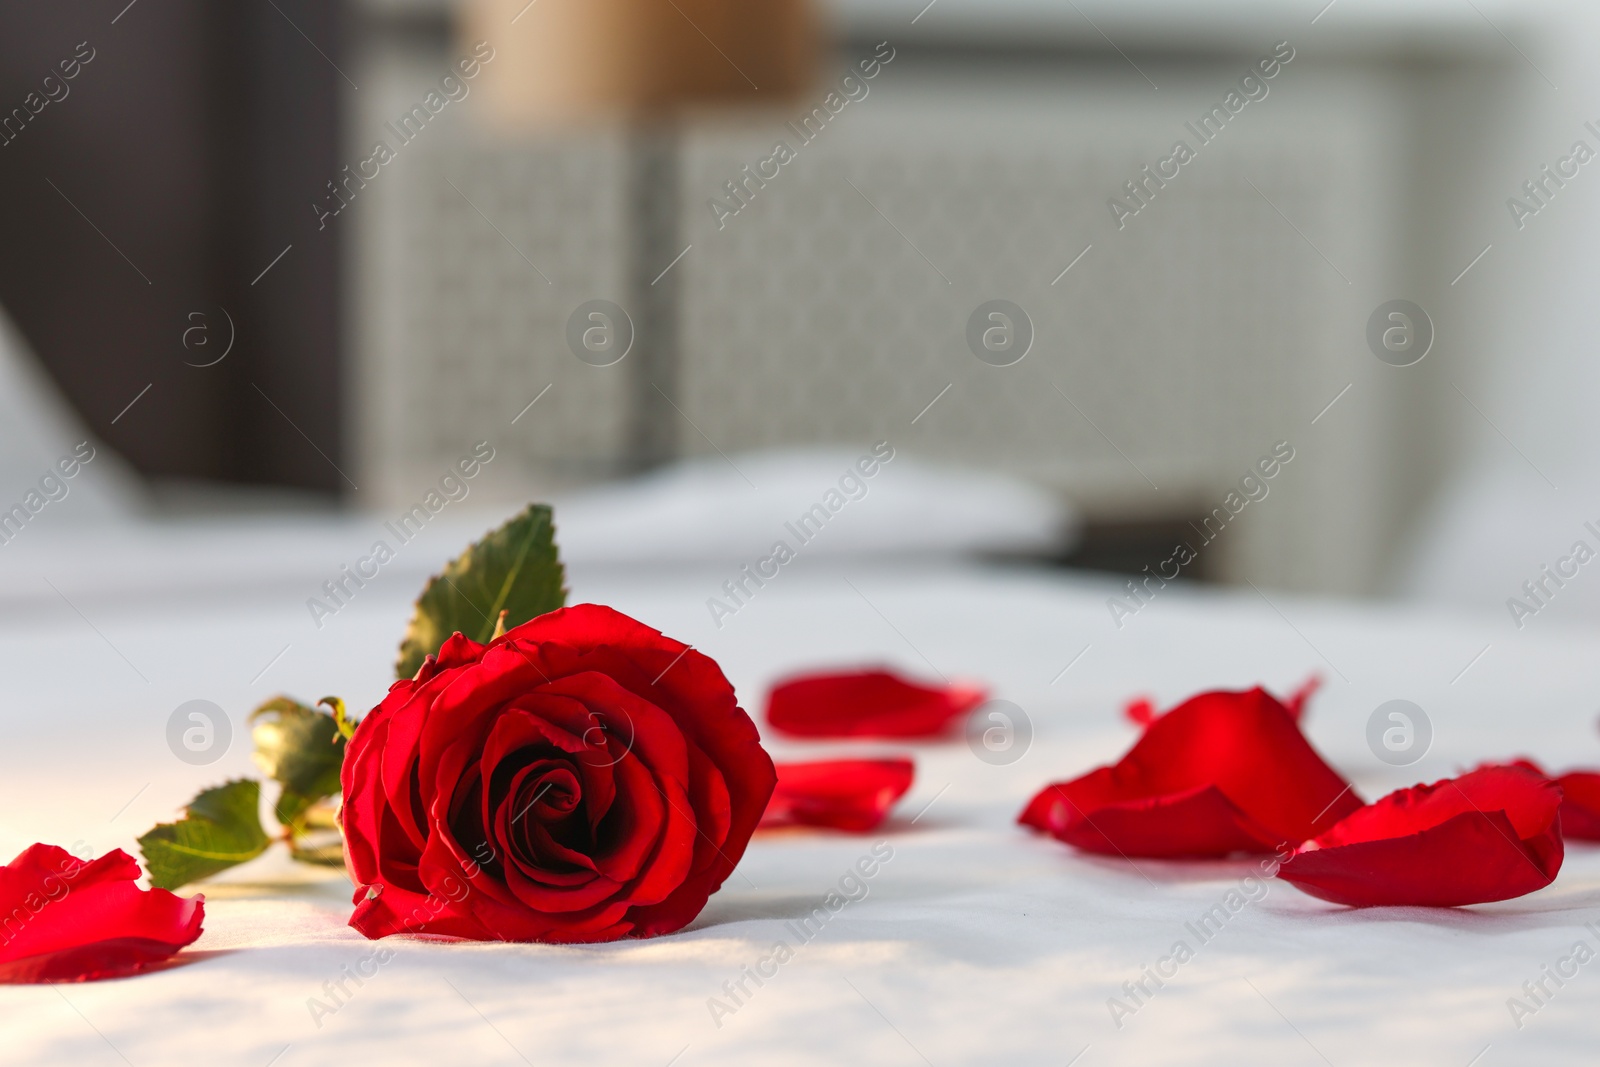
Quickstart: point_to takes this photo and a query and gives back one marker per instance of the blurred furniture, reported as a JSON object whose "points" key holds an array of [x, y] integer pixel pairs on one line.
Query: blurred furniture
{"points": [[144, 208], [1170, 357], [569, 63], [640, 63]]}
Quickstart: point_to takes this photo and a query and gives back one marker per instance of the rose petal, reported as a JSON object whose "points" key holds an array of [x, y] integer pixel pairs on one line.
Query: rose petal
{"points": [[549, 718], [1580, 800], [851, 795], [1223, 772], [1200, 822], [1297, 701], [361, 811], [692, 689], [1580, 805], [670, 863], [876, 703], [535, 808], [464, 704], [655, 759], [390, 911], [64, 920], [648, 731], [1491, 834]]}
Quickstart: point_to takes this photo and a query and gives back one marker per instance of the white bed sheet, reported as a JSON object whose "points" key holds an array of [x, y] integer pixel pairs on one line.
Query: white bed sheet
{"points": [[978, 943]]}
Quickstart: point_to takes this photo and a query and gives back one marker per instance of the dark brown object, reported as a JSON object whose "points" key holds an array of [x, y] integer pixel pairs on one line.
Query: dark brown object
{"points": [[571, 61], [183, 159]]}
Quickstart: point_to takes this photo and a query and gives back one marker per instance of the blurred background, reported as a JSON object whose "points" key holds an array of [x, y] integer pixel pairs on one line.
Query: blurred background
{"points": [[283, 260]]}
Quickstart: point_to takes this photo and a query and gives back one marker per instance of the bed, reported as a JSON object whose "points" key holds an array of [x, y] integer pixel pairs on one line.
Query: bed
{"points": [[974, 942]]}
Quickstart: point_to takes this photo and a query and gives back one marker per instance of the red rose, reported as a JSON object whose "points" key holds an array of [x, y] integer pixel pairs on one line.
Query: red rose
{"points": [[63, 919], [1488, 835], [1222, 772], [847, 794], [581, 778], [867, 704]]}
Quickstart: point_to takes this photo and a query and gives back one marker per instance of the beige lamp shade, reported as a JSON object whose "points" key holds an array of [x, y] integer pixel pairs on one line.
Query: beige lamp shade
{"points": [[565, 60]]}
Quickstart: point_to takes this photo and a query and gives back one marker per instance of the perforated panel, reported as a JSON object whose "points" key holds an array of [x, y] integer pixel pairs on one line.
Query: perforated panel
{"points": [[833, 307], [497, 245]]}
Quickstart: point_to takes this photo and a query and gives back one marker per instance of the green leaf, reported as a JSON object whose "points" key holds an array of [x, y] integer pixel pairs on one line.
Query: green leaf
{"points": [[514, 569], [221, 828], [303, 749]]}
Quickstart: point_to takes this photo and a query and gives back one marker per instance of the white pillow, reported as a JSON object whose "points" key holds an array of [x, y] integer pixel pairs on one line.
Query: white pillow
{"points": [[816, 500], [1494, 531]]}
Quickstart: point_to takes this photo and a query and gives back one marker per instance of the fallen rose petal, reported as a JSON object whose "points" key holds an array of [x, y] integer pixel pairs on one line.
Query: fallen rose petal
{"points": [[850, 794], [876, 703], [1296, 704], [1198, 822], [1223, 772], [63, 919], [1580, 805], [1491, 834], [1141, 711], [1580, 800]]}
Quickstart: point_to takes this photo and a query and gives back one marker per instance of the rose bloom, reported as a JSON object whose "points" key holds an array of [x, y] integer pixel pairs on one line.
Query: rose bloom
{"points": [[581, 778]]}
